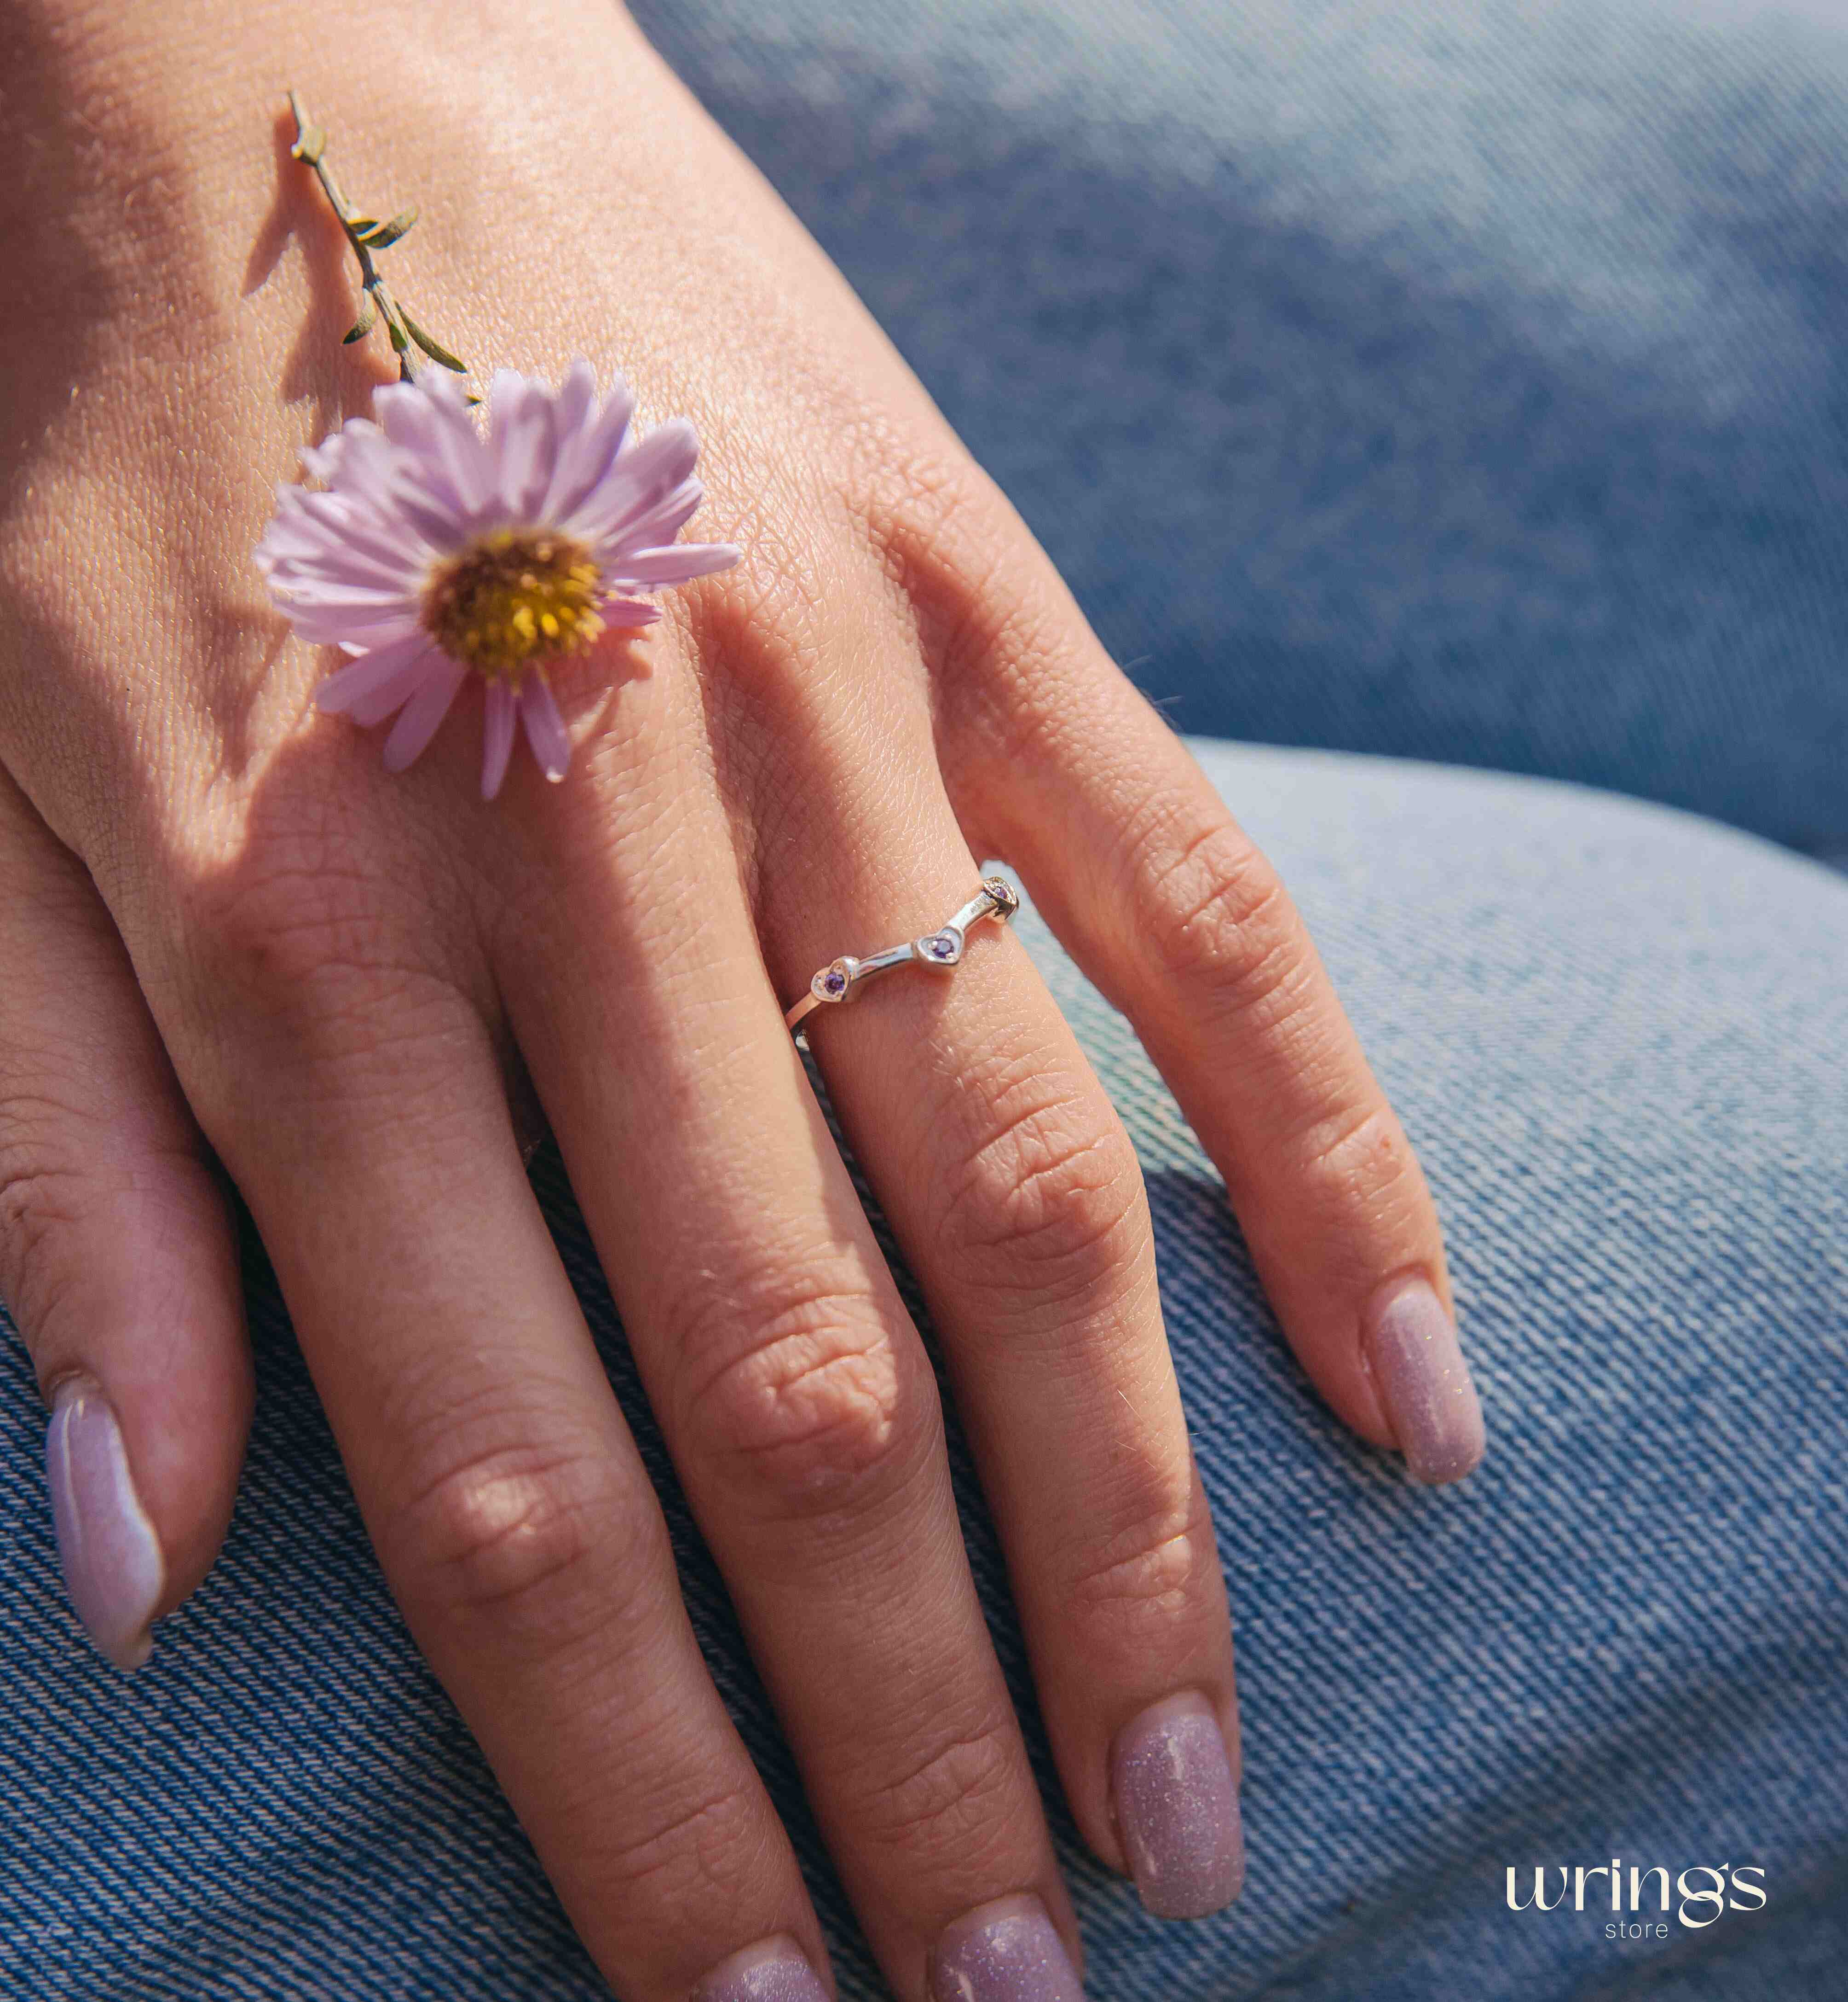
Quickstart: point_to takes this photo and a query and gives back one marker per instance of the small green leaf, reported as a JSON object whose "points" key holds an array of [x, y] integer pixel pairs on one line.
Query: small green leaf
{"points": [[359, 224], [381, 234], [311, 145], [397, 333], [434, 348], [368, 314]]}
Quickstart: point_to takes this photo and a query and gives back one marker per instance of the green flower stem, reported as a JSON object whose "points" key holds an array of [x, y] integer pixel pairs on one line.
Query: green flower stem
{"points": [[366, 234]]}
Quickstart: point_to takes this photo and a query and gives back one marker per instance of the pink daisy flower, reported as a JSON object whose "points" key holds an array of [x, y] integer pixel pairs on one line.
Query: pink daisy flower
{"points": [[435, 552]]}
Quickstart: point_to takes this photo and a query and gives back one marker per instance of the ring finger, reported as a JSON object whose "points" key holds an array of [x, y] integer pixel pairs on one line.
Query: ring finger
{"points": [[1017, 1197]]}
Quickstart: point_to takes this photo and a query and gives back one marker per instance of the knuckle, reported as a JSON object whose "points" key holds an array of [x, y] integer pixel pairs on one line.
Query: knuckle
{"points": [[797, 1393], [960, 560], [947, 506], [1226, 926], [42, 1186], [1050, 1199], [322, 984], [289, 943], [954, 1802], [908, 487], [696, 1853], [44, 1210], [81, 1192], [518, 1536], [1354, 1146], [1358, 1169], [777, 616], [317, 918], [1155, 1573]]}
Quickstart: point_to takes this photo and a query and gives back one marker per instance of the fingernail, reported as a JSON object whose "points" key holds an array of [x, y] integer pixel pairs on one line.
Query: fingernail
{"points": [[1178, 1807], [113, 1569], [774, 1970], [1007, 1951], [1425, 1382]]}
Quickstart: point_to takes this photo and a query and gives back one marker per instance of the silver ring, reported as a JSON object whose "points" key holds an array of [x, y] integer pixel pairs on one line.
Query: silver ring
{"points": [[842, 980]]}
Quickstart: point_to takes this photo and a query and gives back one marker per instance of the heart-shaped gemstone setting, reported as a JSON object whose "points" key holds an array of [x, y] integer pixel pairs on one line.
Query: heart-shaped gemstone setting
{"points": [[943, 948], [833, 982]]}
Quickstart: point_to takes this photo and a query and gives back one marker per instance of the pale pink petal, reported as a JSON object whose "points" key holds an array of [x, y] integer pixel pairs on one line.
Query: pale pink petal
{"points": [[324, 461], [625, 612], [301, 596], [293, 535], [355, 456], [435, 515], [639, 480], [675, 564], [665, 520], [286, 533], [577, 401], [521, 442], [321, 626], [392, 694], [573, 410], [315, 533], [346, 685], [366, 480], [303, 583], [418, 719], [409, 421], [545, 727], [498, 736], [444, 384], [296, 570], [460, 447], [586, 456], [338, 593], [318, 461], [323, 552], [438, 442]]}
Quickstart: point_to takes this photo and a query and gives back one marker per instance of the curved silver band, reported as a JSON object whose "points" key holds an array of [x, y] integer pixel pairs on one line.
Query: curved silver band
{"points": [[842, 980]]}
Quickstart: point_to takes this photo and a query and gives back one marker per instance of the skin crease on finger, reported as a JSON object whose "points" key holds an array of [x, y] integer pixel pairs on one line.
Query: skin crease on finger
{"points": [[165, 736]]}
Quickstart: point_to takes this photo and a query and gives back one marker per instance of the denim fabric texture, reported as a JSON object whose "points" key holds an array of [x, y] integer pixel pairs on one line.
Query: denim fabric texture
{"points": [[1614, 1033], [1457, 378]]}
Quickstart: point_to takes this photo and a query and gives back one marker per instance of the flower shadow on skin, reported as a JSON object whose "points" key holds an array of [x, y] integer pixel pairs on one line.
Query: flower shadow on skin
{"points": [[54, 213]]}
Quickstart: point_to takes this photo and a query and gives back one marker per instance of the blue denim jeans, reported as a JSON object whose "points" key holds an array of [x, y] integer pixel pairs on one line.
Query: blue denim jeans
{"points": [[1614, 1033]]}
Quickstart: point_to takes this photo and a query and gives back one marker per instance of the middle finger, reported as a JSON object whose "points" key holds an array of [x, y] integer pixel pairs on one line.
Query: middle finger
{"points": [[794, 1395]]}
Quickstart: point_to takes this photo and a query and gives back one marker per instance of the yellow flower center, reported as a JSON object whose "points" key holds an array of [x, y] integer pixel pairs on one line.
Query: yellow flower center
{"points": [[513, 596]]}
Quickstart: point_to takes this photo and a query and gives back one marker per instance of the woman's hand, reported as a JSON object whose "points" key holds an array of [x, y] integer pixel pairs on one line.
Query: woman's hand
{"points": [[223, 923]]}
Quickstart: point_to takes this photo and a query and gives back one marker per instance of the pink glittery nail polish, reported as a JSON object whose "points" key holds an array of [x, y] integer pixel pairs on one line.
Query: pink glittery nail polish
{"points": [[774, 1970], [1009, 1951], [111, 1556], [1178, 1807], [1424, 1381]]}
